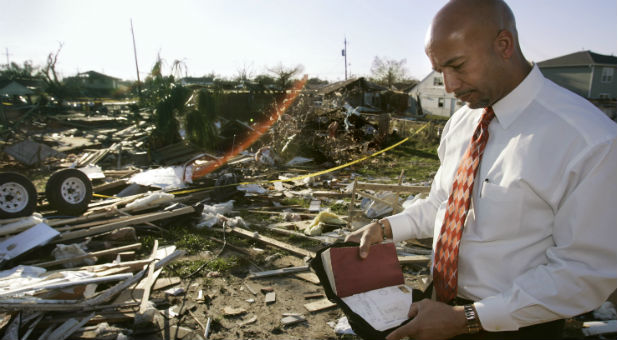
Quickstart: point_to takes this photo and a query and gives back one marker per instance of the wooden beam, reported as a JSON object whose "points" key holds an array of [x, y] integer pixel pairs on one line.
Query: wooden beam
{"points": [[89, 255], [271, 241], [414, 259], [280, 271], [392, 187], [131, 221]]}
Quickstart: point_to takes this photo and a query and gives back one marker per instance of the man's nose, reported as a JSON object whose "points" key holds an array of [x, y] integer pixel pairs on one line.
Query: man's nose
{"points": [[451, 82]]}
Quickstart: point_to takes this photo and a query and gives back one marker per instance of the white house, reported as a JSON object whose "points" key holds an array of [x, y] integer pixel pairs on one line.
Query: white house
{"points": [[431, 98]]}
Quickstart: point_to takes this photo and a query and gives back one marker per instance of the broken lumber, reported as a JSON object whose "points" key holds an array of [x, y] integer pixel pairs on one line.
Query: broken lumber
{"points": [[271, 241], [130, 221], [280, 271], [414, 259], [89, 255]]}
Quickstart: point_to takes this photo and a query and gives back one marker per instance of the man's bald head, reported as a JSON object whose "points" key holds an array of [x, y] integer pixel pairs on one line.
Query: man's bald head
{"points": [[471, 19], [474, 44]]}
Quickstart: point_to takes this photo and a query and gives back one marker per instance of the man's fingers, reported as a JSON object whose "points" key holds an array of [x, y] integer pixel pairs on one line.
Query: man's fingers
{"points": [[363, 248], [401, 332], [414, 309]]}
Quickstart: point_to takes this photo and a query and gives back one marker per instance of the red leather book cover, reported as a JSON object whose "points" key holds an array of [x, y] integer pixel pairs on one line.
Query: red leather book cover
{"points": [[353, 275]]}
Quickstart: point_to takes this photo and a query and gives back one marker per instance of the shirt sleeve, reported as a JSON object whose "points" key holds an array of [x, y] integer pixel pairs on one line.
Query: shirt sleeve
{"points": [[581, 269], [418, 220]]}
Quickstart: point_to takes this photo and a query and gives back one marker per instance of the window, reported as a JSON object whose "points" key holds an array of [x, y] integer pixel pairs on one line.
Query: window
{"points": [[603, 95], [437, 81], [607, 75], [440, 102]]}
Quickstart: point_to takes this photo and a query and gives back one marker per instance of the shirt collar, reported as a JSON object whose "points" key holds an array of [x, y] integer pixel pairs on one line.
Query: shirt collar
{"points": [[511, 106]]}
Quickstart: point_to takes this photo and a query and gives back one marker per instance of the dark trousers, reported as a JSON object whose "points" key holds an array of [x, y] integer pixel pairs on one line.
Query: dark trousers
{"points": [[548, 330]]}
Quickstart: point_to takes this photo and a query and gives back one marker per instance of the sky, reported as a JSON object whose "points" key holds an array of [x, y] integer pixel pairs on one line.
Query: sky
{"points": [[226, 36]]}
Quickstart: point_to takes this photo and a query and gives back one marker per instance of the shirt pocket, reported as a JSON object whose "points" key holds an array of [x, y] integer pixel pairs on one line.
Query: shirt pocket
{"points": [[498, 213]]}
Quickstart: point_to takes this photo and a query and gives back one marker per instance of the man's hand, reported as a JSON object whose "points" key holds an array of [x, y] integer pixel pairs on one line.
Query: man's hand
{"points": [[367, 235], [432, 320]]}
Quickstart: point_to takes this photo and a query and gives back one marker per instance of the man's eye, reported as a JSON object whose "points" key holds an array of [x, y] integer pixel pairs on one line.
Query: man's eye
{"points": [[457, 67]]}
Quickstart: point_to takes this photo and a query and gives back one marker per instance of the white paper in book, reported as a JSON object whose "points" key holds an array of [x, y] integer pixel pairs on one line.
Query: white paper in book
{"points": [[382, 308]]}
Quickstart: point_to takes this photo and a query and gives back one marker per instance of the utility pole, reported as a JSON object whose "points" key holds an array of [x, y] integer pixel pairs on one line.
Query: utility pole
{"points": [[344, 53], [139, 86], [7, 58]]}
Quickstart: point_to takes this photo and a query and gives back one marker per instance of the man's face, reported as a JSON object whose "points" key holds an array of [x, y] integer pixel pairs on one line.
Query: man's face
{"points": [[469, 67]]}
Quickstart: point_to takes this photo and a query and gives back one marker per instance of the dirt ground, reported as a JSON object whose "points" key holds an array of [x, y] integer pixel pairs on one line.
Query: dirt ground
{"points": [[232, 290]]}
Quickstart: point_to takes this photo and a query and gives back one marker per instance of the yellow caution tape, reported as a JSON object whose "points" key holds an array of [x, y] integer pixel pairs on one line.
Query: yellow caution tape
{"points": [[297, 178]]}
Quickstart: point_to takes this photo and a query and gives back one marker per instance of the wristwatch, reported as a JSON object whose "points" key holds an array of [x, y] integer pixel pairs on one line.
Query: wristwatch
{"points": [[472, 319], [381, 224]]}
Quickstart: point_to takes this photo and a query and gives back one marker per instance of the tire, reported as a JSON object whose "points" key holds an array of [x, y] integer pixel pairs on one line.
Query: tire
{"points": [[69, 191], [17, 195]]}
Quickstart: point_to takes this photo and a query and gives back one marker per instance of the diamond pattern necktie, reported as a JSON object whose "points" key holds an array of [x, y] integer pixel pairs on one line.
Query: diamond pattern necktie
{"points": [[447, 247]]}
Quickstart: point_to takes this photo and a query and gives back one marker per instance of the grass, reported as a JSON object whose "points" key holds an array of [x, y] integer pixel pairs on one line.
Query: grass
{"points": [[418, 160], [219, 264]]}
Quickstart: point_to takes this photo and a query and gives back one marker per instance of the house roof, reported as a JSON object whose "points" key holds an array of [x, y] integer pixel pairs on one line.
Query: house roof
{"points": [[582, 58], [362, 82], [96, 74], [13, 88]]}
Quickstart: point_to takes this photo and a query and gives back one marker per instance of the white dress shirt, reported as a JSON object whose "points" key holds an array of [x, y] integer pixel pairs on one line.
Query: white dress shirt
{"points": [[539, 242]]}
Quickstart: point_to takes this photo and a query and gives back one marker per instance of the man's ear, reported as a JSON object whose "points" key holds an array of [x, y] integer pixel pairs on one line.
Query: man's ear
{"points": [[504, 44]]}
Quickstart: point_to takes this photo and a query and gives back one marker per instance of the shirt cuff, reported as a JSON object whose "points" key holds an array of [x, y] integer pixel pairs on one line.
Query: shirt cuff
{"points": [[399, 229], [494, 315]]}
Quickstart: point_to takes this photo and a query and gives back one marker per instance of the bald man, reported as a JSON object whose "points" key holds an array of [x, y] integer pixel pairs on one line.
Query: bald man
{"points": [[538, 241]]}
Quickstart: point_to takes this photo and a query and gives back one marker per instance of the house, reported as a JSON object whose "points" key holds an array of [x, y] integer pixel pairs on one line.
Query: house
{"points": [[361, 92], [589, 74], [94, 84], [197, 81], [429, 96], [11, 90]]}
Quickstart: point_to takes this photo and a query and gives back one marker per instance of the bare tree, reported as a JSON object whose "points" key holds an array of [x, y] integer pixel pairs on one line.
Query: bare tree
{"points": [[284, 74], [179, 67], [388, 71], [244, 73], [50, 76]]}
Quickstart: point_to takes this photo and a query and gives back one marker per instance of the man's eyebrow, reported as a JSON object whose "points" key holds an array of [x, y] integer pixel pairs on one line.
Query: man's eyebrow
{"points": [[451, 61]]}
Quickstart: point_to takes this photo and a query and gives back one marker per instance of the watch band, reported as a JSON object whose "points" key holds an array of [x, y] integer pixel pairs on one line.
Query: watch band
{"points": [[472, 320]]}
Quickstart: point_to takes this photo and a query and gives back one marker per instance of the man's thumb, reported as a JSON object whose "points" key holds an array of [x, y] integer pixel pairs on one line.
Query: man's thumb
{"points": [[363, 248]]}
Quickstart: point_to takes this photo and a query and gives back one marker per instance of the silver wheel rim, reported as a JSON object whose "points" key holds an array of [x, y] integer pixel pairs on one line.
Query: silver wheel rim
{"points": [[73, 190], [13, 197]]}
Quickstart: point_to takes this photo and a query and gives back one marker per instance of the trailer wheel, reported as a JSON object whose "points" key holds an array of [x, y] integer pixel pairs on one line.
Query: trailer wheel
{"points": [[17, 195], [69, 191]]}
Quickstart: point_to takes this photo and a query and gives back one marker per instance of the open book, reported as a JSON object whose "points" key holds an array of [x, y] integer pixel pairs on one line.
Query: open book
{"points": [[373, 288]]}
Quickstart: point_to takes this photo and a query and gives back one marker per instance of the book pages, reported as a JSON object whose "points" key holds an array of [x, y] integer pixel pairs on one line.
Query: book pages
{"points": [[382, 308]]}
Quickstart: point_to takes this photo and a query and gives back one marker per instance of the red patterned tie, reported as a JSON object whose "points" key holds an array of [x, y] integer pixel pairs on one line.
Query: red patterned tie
{"points": [[447, 247]]}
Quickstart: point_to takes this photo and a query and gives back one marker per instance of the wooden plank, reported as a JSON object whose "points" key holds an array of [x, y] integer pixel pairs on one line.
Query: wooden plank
{"points": [[69, 327], [89, 255], [131, 221], [280, 271], [273, 242], [270, 297], [164, 282], [314, 206], [26, 240], [63, 283], [72, 305], [319, 305], [392, 187], [414, 259], [146, 284], [309, 277], [395, 205], [110, 185]]}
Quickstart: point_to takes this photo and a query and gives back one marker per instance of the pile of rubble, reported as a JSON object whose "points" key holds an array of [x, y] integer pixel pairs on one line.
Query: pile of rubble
{"points": [[113, 272]]}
